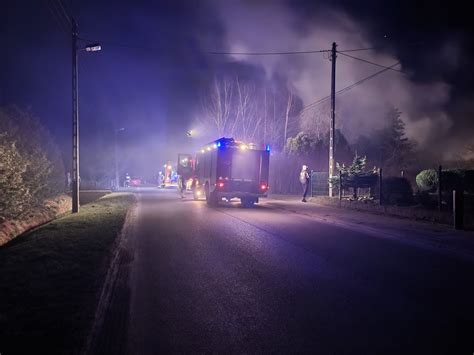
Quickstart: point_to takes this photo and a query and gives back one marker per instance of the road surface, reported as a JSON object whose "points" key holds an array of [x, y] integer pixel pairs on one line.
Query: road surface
{"points": [[234, 280]]}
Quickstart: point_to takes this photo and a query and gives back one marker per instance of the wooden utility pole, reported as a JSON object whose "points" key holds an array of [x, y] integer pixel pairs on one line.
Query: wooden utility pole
{"points": [[333, 119], [75, 124]]}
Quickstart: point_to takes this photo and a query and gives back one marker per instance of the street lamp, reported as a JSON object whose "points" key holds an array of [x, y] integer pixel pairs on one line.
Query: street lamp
{"points": [[75, 115], [93, 47]]}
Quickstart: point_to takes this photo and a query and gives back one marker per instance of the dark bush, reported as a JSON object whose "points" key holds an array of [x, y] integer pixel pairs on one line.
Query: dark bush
{"points": [[31, 167], [397, 191], [456, 179], [426, 199], [427, 180], [469, 181], [452, 180]]}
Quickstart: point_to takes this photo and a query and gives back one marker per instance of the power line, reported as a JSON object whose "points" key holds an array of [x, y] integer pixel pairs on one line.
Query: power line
{"points": [[358, 49], [369, 62], [409, 44], [357, 83], [58, 18], [292, 52], [347, 88], [271, 53], [64, 12]]}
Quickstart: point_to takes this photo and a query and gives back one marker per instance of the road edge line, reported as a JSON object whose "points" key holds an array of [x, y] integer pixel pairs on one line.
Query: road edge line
{"points": [[108, 287]]}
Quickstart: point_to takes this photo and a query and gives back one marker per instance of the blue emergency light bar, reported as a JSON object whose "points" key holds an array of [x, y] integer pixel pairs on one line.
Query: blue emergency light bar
{"points": [[231, 143]]}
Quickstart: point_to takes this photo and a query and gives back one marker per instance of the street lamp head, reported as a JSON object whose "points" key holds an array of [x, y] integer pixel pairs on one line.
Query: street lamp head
{"points": [[93, 47]]}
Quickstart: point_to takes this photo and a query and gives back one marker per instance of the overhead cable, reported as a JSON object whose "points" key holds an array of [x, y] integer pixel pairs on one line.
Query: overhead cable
{"points": [[347, 88], [370, 62]]}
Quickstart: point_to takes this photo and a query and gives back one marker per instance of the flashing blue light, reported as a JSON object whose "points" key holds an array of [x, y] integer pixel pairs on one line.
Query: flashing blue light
{"points": [[267, 148], [219, 144]]}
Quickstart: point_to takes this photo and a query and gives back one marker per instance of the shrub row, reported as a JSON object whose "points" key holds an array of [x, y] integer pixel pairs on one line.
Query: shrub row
{"points": [[456, 179]]}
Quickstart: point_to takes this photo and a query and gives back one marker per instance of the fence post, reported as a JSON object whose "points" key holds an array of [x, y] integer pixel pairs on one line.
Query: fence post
{"points": [[380, 187], [440, 188], [340, 188], [458, 209], [311, 183]]}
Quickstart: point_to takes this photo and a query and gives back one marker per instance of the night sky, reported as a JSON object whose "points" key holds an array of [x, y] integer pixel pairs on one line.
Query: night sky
{"points": [[154, 67]]}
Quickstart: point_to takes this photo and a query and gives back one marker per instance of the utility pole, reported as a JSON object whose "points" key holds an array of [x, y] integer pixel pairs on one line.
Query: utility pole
{"points": [[117, 180], [332, 126], [75, 123], [116, 132]]}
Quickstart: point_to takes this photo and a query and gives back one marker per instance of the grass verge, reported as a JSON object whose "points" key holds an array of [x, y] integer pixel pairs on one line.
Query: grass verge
{"points": [[51, 276], [88, 196]]}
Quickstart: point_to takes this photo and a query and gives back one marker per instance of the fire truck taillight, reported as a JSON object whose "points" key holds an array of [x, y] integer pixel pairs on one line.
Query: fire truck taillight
{"points": [[263, 186], [220, 184]]}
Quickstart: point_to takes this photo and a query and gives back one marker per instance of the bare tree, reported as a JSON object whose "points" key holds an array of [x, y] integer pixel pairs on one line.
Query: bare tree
{"points": [[238, 109], [218, 106], [247, 118], [289, 103], [265, 114], [316, 121]]}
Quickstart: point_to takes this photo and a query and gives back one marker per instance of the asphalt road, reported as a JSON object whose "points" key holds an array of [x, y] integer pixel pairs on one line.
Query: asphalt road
{"points": [[234, 280]]}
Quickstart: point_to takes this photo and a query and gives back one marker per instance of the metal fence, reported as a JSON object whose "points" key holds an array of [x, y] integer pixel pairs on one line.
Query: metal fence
{"points": [[319, 183]]}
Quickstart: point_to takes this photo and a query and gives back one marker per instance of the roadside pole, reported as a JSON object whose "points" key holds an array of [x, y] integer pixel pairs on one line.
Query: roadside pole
{"points": [[117, 179], [75, 123], [333, 119]]}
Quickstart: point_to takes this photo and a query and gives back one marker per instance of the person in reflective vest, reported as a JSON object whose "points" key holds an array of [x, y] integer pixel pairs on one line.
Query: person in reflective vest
{"points": [[304, 179]]}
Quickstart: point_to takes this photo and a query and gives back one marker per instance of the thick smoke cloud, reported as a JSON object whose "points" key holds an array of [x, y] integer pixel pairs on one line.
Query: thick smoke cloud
{"points": [[265, 26]]}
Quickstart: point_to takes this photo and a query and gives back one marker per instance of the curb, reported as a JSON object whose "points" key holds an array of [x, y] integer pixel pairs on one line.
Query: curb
{"points": [[120, 256]]}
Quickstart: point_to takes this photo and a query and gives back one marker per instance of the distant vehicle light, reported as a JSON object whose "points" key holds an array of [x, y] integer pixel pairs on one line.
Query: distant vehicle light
{"points": [[169, 167], [135, 182], [208, 148], [220, 184], [263, 186], [219, 144], [202, 150], [214, 146], [267, 147], [198, 193], [243, 147]]}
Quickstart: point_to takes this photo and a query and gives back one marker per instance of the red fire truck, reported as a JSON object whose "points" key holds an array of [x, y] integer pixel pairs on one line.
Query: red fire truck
{"points": [[227, 168]]}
